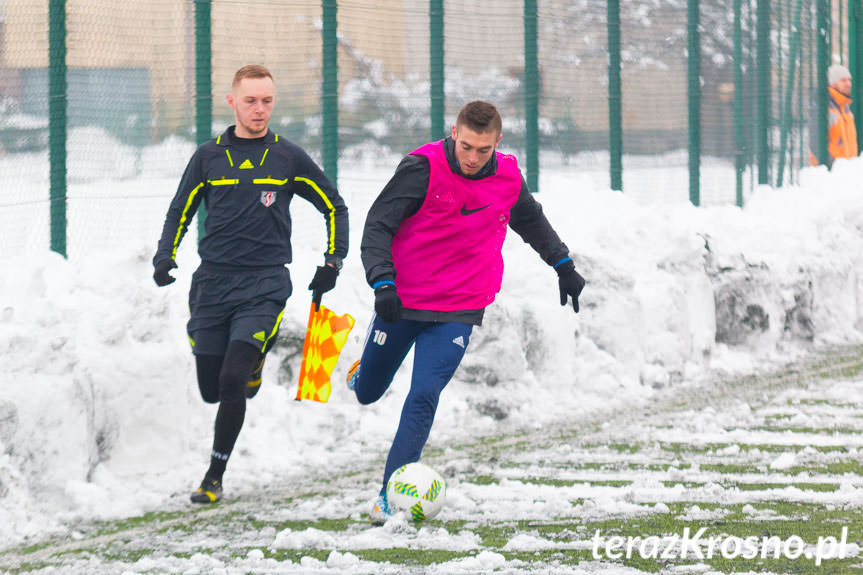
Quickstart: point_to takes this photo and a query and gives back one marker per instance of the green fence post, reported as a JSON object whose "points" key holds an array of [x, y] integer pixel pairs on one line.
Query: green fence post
{"points": [[531, 94], [436, 70], [763, 100], [804, 79], [813, 143], [694, 105], [57, 107], [841, 17], [739, 141], [615, 98], [777, 101], [752, 108], [203, 85], [330, 92], [203, 72], [855, 48], [789, 93], [822, 63]]}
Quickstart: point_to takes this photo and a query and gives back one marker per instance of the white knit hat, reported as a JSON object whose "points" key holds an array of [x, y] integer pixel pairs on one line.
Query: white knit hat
{"points": [[837, 72]]}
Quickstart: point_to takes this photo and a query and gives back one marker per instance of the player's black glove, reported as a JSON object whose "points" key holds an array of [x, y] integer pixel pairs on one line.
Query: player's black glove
{"points": [[324, 281], [388, 304], [570, 283], [162, 276]]}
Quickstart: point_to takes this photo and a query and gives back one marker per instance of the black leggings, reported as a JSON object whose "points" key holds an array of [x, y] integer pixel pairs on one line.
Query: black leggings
{"points": [[223, 379]]}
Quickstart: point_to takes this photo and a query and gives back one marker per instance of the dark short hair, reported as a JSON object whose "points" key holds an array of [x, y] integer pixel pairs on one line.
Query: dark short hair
{"points": [[479, 116], [251, 71]]}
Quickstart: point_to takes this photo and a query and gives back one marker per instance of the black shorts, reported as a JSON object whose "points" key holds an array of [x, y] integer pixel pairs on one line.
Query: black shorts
{"points": [[236, 305]]}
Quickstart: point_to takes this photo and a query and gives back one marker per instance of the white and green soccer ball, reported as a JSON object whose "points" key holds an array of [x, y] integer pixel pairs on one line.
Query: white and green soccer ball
{"points": [[417, 489]]}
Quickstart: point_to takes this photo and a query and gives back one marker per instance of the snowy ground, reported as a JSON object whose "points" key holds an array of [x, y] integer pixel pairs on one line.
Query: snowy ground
{"points": [[100, 417], [773, 458]]}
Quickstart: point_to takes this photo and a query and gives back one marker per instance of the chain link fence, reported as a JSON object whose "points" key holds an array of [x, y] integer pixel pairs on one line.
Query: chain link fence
{"points": [[128, 117]]}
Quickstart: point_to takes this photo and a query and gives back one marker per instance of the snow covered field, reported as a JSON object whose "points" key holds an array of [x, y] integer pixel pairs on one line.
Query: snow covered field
{"points": [[100, 417]]}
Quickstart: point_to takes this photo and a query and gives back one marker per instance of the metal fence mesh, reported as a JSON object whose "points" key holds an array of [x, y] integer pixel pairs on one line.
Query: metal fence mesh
{"points": [[131, 94]]}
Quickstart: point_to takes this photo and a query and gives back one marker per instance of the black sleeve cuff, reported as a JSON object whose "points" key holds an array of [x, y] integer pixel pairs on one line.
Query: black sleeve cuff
{"points": [[565, 267]]}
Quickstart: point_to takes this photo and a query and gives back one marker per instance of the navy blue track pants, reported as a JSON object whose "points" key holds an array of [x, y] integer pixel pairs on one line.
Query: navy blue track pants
{"points": [[439, 350]]}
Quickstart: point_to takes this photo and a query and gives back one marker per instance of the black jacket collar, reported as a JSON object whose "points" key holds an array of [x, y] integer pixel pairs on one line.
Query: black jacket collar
{"points": [[228, 137]]}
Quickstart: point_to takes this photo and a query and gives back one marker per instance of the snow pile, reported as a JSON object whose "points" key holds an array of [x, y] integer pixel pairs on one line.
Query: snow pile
{"points": [[100, 414]]}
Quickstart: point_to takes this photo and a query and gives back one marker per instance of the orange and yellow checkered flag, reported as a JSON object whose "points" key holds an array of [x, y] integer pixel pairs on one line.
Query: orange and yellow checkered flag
{"points": [[326, 334]]}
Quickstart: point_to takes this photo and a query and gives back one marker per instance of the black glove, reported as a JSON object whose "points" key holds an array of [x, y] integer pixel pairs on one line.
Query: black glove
{"points": [[162, 276], [570, 283], [388, 304], [324, 281]]}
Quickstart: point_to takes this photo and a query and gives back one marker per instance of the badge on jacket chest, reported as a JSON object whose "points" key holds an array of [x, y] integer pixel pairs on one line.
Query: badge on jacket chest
{"points": [[268, 198]]}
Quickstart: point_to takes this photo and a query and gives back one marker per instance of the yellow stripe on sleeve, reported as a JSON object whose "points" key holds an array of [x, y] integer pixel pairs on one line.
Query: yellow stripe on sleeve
{"points": [[183, 218], [332, 213]]}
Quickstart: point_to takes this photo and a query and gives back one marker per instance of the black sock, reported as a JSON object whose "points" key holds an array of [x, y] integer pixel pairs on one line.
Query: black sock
{"points": [[229, 421]]}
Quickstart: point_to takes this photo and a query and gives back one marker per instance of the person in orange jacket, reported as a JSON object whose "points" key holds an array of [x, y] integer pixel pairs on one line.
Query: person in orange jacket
{"points": [[842, 134]]}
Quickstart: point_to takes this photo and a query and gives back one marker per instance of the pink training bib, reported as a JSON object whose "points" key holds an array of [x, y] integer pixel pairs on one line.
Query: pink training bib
{"points": [[447, 256]]}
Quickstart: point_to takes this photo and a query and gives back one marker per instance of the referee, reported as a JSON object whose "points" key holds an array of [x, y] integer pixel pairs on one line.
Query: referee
{"points": [[246, 178]]}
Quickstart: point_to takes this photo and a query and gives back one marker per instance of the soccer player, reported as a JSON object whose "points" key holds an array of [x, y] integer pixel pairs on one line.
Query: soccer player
{"points": [[431, 249], [246, 178]]}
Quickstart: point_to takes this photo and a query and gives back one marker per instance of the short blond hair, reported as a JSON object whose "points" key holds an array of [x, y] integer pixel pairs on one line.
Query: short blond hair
{"points": [[250, 71]]}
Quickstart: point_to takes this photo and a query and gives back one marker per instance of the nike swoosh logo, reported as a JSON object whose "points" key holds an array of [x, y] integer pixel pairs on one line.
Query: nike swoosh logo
{"points": [[467, 212]]}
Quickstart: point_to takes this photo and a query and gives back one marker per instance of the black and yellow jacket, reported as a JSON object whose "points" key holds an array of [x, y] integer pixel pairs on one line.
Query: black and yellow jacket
{"points": [[247, 186]]}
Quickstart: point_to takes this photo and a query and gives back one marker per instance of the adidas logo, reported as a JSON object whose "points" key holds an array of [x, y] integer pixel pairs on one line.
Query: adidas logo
{"points": [[247, 165], [459, 341]]}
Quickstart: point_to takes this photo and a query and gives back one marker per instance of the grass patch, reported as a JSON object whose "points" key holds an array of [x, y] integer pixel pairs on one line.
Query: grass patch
{"points": [[624, 447], [802, 402], [569, 465], [736, 468], [681, 449], [397, 555], [494, 480], [571, 482], [819, 487], [297, 525], [827, 430], [402, 555], [483, 480], [26, 568], [851, 466]]}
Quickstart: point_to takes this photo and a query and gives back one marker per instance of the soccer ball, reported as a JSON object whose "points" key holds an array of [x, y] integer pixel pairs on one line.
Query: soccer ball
{"points": [[417, 489]]}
